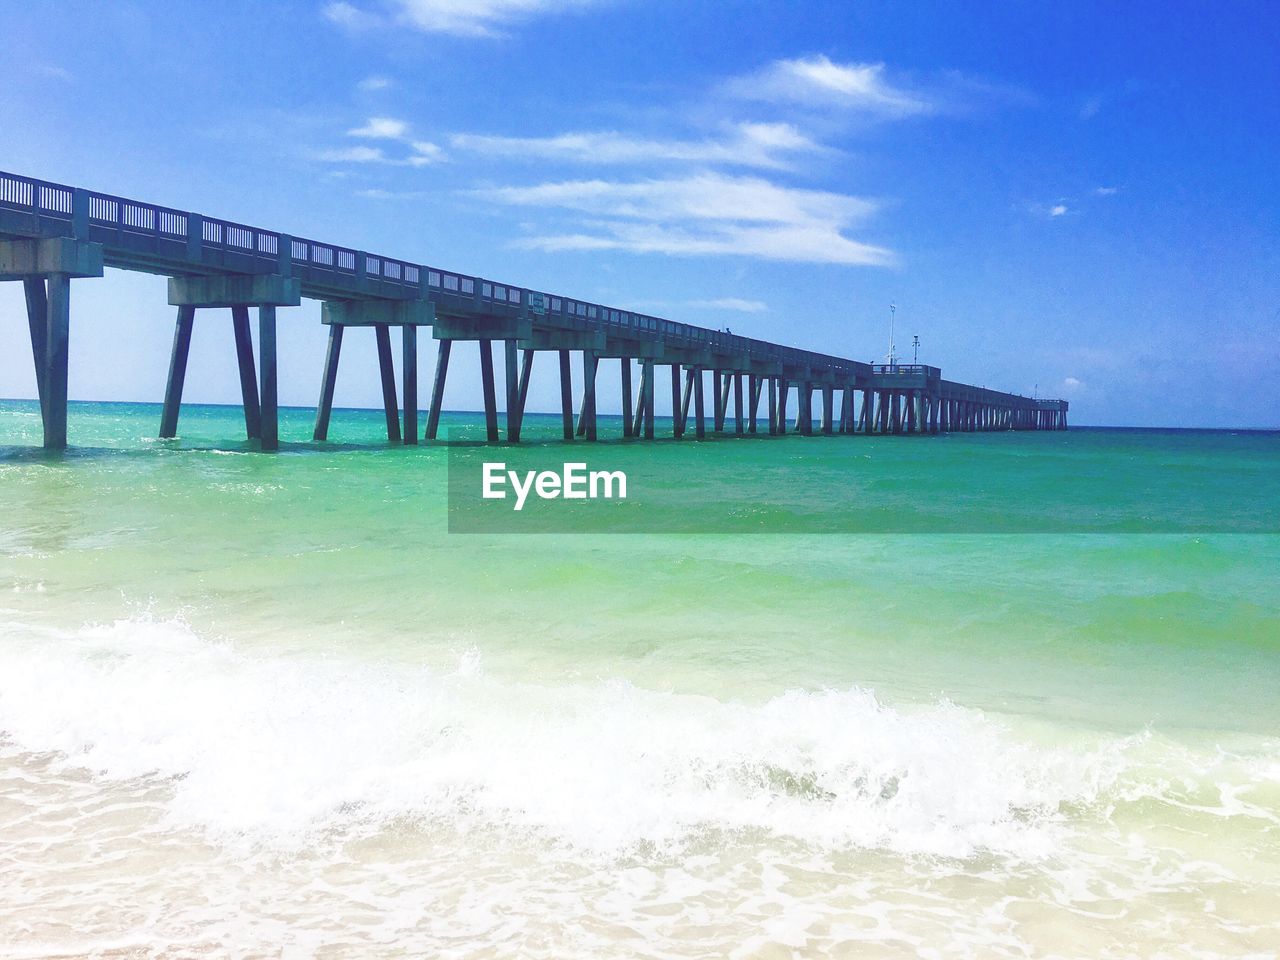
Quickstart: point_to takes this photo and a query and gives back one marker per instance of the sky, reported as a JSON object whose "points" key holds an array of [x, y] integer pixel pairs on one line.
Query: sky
{"points": [[1074, 200]]}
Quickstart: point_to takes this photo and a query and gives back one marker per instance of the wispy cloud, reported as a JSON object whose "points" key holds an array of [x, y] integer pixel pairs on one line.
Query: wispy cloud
{"points": [[1106, 191], [353, 155], [766, 145], [731, 303], [425, 152], [408, 152], [55, 72], [705, 214], [419, 154], [1052, 210], [349, 16], [377, 193], [819, 81], [462, 18], [381, 128], [373, 84]]}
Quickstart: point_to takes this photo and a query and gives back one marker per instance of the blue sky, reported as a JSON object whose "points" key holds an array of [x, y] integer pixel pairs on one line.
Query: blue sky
{"points": [[1079, 199]]}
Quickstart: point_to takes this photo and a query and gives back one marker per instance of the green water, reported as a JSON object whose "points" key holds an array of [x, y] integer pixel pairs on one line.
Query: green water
{"points": [[281, 680]]}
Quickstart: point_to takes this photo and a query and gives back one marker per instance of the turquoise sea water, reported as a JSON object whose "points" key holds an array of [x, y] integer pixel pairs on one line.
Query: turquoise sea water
{"points": [[269, 705]]}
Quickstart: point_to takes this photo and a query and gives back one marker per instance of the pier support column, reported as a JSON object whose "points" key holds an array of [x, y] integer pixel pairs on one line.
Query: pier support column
{"points": [[753, 401], [248, 375], [699, 420], [633, 419], [387, 373], [773, 406], [690, 373], [409, 370], [738, 426], [828, 409], [490, 390], [646, 389], [677, 422], [57, 337], [177, 372], [46, 267], [629, 429], [37, 324], [717, 399], [522, 394], [381, 316], [328, 378], [437, 388], [783, 389], [511, 380], [566, 394], [587, 416], [267, 377]]}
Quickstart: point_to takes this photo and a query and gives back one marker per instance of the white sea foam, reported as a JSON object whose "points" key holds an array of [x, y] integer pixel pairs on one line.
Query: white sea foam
{"points": [[167, 795], [284, 746]]}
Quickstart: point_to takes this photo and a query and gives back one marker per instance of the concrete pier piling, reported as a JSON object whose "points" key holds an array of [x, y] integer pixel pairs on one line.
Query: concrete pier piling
{"points": [[238, 293]]}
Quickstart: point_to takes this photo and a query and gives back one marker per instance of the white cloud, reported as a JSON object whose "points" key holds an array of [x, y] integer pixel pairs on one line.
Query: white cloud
{"points": [[731, 303], [381, 128], [424, 153], [818, 81], [376, 193], [348, 15], [703, 214], [1071, 383], [419, 152], [1058, 210], [1106, 191], [462, 18], [373, 84], [353, 155], [747, 145], [55, 72]]}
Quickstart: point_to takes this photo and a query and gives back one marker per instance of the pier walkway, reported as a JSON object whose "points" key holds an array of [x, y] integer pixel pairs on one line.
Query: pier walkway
{"points": [[51, 234]]}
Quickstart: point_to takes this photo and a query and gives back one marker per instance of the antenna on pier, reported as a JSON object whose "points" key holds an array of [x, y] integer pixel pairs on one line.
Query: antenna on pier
{"points": [[893, 349], [915, 346]]}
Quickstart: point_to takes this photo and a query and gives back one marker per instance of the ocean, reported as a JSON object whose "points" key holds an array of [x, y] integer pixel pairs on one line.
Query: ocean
{"points": [[997, 695]]}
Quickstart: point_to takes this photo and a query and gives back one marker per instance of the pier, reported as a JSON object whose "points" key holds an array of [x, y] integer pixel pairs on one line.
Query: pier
{"points": [[51, 234]]}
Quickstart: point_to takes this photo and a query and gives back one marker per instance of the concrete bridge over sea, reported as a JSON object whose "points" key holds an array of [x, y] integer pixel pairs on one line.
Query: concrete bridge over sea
{"points": [[51, 234]]}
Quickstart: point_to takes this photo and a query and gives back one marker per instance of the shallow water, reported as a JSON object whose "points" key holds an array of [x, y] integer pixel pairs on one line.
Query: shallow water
{"points": [[267, 705]]}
